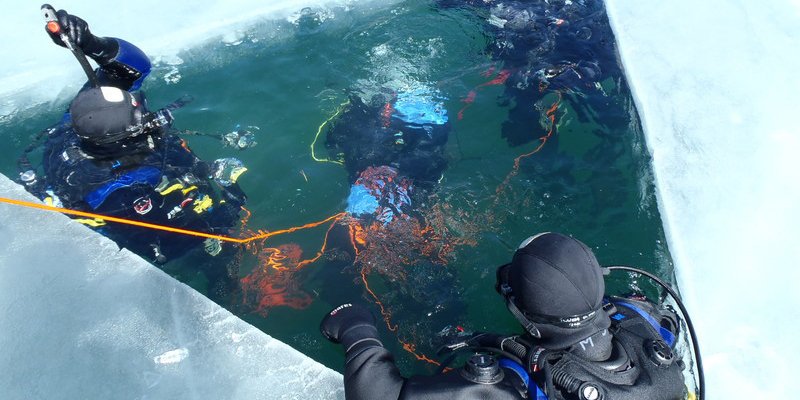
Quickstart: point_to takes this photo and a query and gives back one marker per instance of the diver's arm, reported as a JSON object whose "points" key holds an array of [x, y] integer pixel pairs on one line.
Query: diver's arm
{"points": [[122, 64], [370, 373]]}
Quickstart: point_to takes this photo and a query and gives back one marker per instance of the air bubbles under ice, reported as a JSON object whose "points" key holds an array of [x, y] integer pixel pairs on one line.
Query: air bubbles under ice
{"points": [[172, 356], [167, 60], [310, 18], [234, 38], [173, 76]]}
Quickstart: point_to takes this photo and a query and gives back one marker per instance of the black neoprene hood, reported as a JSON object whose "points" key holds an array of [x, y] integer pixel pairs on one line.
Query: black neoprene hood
{"points": [[556, 275], [99, 114]]}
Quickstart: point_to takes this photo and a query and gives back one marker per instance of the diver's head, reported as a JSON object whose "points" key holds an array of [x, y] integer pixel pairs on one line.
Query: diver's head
{"points": [[554, 287], [111, 122]]}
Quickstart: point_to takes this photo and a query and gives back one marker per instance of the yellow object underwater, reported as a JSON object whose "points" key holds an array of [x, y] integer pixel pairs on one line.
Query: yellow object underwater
{"points": [[94, 223], [236, 172], [319, 130], [170, 189], [189, 189], [202, 204]]}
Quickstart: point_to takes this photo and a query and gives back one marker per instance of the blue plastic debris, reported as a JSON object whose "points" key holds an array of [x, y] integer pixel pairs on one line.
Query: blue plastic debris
{"points": [[419, 107], [361, 201]]}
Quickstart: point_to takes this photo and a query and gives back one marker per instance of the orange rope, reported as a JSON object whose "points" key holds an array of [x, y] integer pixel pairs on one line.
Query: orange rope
{"points": [[550, 114], [409, 347], [267, 234], [386, 315], [261, 235], [320, 252]]}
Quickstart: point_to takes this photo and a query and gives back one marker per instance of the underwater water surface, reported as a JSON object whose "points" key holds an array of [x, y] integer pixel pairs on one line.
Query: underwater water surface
{"points": [[536, 143]]}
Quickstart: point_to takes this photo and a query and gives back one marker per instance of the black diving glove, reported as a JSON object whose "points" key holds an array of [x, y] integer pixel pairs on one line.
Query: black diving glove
{"points": [[100, 49], [350, 325]]}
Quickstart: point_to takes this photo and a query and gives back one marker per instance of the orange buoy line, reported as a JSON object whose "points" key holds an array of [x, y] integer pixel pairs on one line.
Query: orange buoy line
{"points": [[550, 114], [407, 346], [261, 235]]}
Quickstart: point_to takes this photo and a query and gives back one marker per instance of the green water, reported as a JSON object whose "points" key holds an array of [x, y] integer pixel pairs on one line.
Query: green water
{"points": [[592, 179]]}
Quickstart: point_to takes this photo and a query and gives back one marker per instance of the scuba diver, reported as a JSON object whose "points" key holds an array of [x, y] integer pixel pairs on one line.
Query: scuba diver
{"points": [[577, 342], [111, 156], [393, 148], [397, 139], [545, 47]]}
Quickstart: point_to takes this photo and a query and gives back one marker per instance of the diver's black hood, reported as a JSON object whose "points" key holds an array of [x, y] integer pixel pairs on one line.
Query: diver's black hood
{"points": [[109, 122], [557, 283], [98, 113]]}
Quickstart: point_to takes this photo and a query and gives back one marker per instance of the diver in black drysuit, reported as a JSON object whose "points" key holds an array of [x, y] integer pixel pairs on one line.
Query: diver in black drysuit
{"points": [[406, 132], [545, 46], [577, 343], [110, 156], [393, 148]]}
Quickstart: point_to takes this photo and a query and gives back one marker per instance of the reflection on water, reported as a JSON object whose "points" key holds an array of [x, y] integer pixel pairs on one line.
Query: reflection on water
{"points": [[442, 135]]}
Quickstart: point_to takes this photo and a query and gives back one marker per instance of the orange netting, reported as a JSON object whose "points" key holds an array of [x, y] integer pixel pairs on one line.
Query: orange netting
{"points": [[273, 281], [391, 252]]}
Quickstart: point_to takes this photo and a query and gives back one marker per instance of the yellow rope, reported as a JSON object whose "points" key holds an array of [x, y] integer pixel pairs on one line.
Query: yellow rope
{"points": [[319, 131]]}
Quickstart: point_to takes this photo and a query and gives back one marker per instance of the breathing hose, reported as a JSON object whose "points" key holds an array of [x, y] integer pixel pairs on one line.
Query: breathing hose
{"points": [[690, 327]]}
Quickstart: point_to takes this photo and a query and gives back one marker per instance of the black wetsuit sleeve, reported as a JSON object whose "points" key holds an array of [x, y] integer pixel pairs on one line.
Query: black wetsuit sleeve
{"points": [[122, 65], [371, 374]]}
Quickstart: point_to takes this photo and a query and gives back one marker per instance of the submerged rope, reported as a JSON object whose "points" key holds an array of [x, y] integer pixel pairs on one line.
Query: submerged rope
{"points": [[319, 130], [261, 235]]}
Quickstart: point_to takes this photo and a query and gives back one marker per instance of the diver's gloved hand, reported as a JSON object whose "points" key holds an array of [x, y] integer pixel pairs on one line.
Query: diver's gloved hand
{"points": [[226, 171], [350, 324], [100, 49]]}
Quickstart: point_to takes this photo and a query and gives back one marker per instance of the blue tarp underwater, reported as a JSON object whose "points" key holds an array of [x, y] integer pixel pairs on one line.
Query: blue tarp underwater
{"points": [[419, 107]]}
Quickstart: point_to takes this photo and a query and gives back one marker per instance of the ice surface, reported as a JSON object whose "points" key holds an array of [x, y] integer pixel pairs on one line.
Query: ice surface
{"points": [[81, 319], [716, 85], [35, 70]]}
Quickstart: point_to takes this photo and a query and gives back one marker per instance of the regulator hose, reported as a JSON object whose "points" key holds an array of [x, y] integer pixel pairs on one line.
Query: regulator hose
{"points": [[695, 347]]}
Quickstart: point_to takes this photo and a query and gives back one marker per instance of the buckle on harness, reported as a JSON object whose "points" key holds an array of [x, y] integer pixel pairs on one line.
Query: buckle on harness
{"points": [[609, 308], [505, 289]]}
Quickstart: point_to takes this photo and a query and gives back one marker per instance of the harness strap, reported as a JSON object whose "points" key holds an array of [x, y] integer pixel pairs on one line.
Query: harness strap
{"points": [[668, 336], [144, 175]]}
